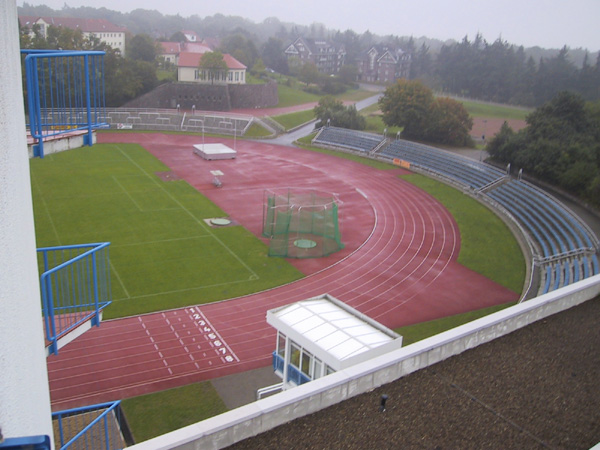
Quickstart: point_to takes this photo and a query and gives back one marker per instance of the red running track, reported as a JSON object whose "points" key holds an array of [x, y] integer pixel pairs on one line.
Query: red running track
{"points": [[398, 266]]}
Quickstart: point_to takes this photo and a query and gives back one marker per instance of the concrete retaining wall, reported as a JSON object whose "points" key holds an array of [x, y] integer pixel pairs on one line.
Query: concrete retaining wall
{"points": [[206, 97], [250, 420]]}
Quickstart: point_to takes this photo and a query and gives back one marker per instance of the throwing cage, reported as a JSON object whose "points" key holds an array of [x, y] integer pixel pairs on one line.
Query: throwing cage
{"points": [[301, 225]]}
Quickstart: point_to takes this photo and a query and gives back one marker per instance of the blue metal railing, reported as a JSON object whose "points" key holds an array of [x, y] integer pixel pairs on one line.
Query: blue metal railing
{"points": [[293, 374], [277, 363], [75, 286], [297, 376], [65, 93], [91, 427]]}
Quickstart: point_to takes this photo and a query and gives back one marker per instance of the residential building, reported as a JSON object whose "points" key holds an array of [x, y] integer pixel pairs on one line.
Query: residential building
{"points": [[329, 58], [191, 36], [186, 56], [172, 50], [381, 64], [188, 70], [107, 32]]}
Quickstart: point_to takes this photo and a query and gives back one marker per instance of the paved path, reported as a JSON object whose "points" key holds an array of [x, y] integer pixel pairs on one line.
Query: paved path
{"points": [[399, 267]]}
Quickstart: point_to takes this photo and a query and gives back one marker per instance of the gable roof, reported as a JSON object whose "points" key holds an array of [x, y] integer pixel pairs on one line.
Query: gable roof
{"points": [[85, 25], [192, 59], [383, 51], [178, 47]]}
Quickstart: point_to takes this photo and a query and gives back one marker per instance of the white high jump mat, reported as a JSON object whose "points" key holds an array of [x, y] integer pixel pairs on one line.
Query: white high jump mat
{"points": [[214, 151]]}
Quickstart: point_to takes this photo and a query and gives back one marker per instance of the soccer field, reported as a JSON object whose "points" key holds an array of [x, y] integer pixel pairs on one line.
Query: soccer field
{"points": [[163, 253]]}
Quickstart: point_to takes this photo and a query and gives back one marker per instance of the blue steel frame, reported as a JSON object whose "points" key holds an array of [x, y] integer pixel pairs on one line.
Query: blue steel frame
{"points": [[68, 84], [76, 289], [86, 435]]}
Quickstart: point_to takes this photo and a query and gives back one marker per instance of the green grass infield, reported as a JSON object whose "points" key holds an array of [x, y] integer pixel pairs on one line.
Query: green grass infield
{"points": [[163, 254]]}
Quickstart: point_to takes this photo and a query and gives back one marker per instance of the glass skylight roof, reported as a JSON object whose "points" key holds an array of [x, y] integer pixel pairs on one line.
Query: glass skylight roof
{"points": [[332, 326]]}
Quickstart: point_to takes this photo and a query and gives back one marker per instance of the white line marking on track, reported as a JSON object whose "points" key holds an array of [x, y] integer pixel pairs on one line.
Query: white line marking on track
{"points": [[218, 334]]}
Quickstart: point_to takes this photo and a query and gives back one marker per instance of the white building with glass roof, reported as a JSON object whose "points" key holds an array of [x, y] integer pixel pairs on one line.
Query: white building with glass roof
{"points": [[322, 335]]}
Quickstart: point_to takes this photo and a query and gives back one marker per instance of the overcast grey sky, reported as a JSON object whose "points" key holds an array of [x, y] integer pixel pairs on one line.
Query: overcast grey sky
{"points": [[545, 23]]}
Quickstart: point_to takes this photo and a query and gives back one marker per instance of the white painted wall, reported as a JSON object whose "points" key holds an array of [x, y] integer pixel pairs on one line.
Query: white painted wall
{"points": [[24, 392]]}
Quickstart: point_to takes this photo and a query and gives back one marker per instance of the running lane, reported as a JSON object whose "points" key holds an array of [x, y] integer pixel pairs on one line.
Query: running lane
{"points": [[398, 266]]}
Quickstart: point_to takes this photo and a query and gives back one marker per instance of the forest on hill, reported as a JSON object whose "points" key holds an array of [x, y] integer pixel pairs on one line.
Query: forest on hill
{"points": [[494, 71]]}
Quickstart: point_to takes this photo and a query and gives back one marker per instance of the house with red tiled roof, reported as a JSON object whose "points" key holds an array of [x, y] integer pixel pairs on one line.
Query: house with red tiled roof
{"points": [[188, 70], [191, 36], [171, 50], [107, 32]]}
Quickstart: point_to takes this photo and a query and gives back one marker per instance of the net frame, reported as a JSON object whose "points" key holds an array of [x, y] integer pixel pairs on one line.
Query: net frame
{"points": [[301, 224]]}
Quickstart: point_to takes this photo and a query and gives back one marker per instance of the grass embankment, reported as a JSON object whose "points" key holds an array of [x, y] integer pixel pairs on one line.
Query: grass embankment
{"points": [[292, 120], [487, 247], [477, 109], [152, 415], [163, 254]]}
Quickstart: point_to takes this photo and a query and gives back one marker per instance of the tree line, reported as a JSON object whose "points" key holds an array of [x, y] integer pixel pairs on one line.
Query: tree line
{"points": [[496, 71], [503, 73], [125, 77], [560, 145]]}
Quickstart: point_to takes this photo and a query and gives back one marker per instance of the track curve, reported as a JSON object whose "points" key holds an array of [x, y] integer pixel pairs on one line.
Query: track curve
{"points": [[398, 267]]}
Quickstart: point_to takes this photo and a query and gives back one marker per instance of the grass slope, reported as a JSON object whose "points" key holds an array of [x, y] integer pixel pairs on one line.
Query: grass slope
{"points": [[487, 245], [163, 255], [478, 109], [152, 415], [291, 120]]}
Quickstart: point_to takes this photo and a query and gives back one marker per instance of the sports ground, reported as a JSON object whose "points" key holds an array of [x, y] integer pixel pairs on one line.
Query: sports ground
{"points": [[399, 266]]}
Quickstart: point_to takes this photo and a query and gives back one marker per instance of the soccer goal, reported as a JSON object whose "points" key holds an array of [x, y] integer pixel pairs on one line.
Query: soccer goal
{"points": [[301, 224]]}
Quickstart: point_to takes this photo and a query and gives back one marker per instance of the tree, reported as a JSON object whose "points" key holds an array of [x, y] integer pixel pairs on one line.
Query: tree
{"points": [[560, 145], [501, 147], [259, 70], [407, 104], [327, 108], [273, 56], [142, 47], [241, 48], [178, 36], [348, 74], [309, 73], [449, 123], [331, 111], [214, 65]]}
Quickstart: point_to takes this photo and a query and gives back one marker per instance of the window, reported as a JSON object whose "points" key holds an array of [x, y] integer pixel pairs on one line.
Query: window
{"points": [[281, 344], [317, 369], [237, 76], [307, 359], [295, 354]]}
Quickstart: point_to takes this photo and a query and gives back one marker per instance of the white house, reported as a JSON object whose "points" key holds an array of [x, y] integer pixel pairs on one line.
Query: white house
{"points": [[107, 32], [188, 70]]}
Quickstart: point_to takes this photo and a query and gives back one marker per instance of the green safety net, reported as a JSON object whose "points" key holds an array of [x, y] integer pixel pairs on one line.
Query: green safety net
{"points": [[301, 225]]}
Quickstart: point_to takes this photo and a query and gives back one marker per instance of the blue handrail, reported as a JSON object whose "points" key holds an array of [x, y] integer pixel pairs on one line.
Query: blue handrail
{"points": [[67, 86], [101, 428], [75, 289]]}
